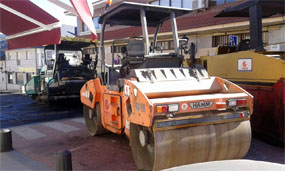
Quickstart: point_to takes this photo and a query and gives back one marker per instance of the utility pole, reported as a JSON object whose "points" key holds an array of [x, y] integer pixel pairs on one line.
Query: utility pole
{"points": [[6, 74], [36, 60]]}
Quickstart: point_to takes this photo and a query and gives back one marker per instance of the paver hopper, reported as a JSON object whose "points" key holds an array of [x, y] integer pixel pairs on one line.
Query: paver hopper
{"points": [[171, 115]]}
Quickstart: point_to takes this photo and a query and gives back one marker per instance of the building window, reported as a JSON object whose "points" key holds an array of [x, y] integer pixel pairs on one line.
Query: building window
{"points": [[86, 51], [177, 4], [84, 27], [89, 50], [96, 23], [49, 54], [165, 2], [219, 2], [216, 2], [226, 40], [28, 76], [230, 1], [171, 45], [18, 59], [187, 4], [10, 77], [174, 3], [20, 78], [165, 45], [117, 49], [8, 57], [27, 55]]}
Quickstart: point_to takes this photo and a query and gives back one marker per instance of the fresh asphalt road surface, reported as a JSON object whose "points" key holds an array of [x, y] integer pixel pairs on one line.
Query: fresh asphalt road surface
{"points": [[18, 109]]}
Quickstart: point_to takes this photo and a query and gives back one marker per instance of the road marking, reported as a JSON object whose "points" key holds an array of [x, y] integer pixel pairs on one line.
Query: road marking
{"points": [[61, 127], [28, 133], [80, 120], [79, 147]]}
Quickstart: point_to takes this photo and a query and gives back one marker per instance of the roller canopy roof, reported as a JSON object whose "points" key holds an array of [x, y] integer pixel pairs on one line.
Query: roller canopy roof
{"points": [[27, 25], [73, 45], [269, 8], [128, 14]]}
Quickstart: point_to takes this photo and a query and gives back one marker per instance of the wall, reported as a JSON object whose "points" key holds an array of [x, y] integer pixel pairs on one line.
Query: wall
{"points": [[277, 36], [29, 61], [2, 76], [203, 48], [68, 31], [203, 45]]}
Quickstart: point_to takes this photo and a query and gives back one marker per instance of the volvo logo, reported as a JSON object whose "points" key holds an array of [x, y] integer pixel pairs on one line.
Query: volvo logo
{"points": [[201, 104]]}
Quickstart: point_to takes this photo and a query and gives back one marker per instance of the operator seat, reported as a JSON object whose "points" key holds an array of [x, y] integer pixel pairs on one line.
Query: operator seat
{"points": [[132, 56], [243, 45]]}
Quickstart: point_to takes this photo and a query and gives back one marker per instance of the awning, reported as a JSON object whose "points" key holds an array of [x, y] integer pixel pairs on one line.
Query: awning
{"points": [[27, 25], [269, 8], [82, 9]]}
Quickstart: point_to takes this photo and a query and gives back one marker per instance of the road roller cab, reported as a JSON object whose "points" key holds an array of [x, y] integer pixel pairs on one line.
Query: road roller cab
{"points": [[171, 115]]}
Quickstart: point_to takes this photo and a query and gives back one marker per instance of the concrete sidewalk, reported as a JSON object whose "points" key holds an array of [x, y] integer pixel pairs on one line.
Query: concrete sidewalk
{"points": [[35, 146], [15, 160]]}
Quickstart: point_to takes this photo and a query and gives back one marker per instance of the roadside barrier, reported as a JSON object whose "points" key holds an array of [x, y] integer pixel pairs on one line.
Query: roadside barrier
{"points": [[6, 140], [63, 161]]}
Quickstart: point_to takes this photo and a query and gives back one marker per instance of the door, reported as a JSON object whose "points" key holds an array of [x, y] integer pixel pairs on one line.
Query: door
{"points": [[113, 110]]}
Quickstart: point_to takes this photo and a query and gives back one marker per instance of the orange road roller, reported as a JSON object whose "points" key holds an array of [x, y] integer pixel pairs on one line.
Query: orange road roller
{"points": [[171, 115]]}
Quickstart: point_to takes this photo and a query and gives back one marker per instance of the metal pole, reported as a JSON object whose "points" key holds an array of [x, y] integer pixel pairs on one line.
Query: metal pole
{"points": [[56, 51], [175, 33], [155, 37], [113, 44], [6, 73], [144, 30], [63, 161], [55, 61], [102, 47], [36, 60], [5, 140], [255, 14]]}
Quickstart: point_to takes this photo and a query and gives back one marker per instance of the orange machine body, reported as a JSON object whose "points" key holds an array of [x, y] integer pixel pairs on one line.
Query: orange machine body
{"points": [[138, 101]]}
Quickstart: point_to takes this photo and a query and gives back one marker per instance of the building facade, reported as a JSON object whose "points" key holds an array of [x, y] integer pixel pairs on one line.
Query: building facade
{"points": [[201, 27], [20, 66], [3, 48]]}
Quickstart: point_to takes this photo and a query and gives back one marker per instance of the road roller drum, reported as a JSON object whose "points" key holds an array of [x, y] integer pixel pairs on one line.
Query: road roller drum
{"points": [[164, 149]]}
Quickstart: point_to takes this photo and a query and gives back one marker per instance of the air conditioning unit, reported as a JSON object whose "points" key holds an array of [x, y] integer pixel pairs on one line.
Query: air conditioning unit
{"points": [[277, 48], [199, 4]]}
